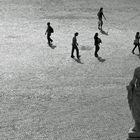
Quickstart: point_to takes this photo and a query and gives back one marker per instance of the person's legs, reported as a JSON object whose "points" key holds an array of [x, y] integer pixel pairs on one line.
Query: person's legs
{"points": [[101, 24], [51, 39], [95, 54], [48, 37], [96, 50], [139, 48], [72, 51], [134, 48], [77, 51]]}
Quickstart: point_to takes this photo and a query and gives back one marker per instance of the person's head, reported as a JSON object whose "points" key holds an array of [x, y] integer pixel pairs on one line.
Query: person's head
{"points": [[96, 34], [137, 34], [76, 34], [101, 9], [48, 23]]}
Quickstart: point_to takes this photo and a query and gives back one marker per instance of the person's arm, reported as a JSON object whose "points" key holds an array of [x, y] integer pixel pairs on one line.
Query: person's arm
{"points": [[76, 42], [104, 16], [46, 32]]}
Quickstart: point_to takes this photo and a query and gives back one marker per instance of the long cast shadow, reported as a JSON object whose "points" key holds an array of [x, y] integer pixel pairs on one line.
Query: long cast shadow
{"points": [[84, 48], [104, 32], [78, 61], [52, 46], [101, 59]]}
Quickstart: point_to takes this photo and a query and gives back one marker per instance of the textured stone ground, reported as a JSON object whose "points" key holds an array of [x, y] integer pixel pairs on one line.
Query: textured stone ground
{"points": [[46, 95]]}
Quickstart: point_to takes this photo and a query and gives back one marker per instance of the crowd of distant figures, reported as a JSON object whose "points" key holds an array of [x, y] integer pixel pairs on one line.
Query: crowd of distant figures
{"points": [[97, 40]]}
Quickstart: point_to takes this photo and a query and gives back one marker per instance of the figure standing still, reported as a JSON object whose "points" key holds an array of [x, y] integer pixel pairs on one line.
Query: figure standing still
{"points": [[100, 15], [49, 31], [75, 46]]}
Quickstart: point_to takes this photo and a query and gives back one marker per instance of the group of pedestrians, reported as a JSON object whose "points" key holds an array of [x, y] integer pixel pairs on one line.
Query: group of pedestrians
{"points": [[97, 40], [134, 86]]}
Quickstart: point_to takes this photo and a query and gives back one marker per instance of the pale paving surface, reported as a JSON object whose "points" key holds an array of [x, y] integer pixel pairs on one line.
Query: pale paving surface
{"points": [[44, 94]]}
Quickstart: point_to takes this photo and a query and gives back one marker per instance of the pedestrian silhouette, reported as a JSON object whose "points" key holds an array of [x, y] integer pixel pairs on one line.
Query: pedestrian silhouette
{"points": [[75, 46], [100, 15], [49, 31], [97, 42], [136, 42]]}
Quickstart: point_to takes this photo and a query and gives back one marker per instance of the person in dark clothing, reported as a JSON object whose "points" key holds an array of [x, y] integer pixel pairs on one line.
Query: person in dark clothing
{"points": [[75, 46], [136, 42], [100, 18], [49, 31], [97, 42]]}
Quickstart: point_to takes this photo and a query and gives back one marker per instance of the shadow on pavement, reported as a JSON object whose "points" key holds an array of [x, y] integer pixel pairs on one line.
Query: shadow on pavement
{"points": [[86, 48], [78, 61], [104, 32], [101, 59], [52, 46]]}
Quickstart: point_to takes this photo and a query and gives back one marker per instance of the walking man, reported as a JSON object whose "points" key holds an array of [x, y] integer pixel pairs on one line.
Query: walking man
{"points": [[75, 46], [49, 31], [100, 18], [136, 42], [97, 42]]}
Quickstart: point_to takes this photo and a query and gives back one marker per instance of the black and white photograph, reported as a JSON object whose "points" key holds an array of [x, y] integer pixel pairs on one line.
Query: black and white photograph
{"points": [[69, 69]]}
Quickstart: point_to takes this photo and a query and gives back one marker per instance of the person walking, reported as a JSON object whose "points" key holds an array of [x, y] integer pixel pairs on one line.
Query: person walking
{"points": [[136, 42], [100, 15], [75, 46], [97, 42], [49, 31]]}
